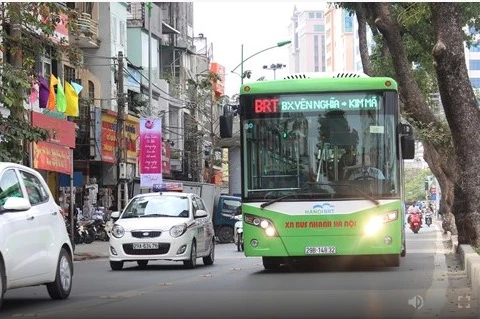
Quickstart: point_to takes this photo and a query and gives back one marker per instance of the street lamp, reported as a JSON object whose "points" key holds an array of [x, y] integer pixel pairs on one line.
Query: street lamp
{"points": [[274, 67], [242, 76]]}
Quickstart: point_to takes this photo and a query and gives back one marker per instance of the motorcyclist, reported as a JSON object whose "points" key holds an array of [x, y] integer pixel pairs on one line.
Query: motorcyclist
{"points": [[414, 209]]}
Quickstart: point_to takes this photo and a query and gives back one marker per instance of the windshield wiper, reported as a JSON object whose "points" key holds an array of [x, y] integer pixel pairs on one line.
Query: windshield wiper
{"points": [[310, 184], [298, 192]]}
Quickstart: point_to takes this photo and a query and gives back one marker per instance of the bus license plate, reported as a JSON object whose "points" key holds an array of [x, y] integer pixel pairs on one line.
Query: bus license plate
{"points": [[320, 250], [145, 245]]}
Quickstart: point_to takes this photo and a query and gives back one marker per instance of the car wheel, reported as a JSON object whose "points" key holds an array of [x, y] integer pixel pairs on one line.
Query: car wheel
{"points": [[225, 234], [142, 263], [192, 262], [61, 287], [2, 283], [211, 257], [116, 265]]}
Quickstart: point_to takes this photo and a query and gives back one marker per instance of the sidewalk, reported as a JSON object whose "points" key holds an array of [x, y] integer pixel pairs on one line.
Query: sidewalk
{"points": [[95, 250]]}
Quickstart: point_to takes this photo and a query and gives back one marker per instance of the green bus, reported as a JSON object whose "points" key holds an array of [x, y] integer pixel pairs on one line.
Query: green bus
{"points": [[322, 168]]}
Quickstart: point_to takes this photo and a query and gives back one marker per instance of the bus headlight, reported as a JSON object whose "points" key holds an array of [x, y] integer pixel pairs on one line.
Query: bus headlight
{"points": [[375, 224], [264, 223]]}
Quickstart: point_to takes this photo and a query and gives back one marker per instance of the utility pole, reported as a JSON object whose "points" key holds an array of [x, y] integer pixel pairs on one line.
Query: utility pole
{"points": [[121, 149]]}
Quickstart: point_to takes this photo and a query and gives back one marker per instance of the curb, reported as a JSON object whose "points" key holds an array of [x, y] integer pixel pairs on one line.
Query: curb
{"points": [[87, 256], [471, 264]]}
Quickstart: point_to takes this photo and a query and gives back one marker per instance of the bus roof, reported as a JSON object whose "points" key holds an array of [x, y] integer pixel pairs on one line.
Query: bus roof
{"points": [[320, 83]]}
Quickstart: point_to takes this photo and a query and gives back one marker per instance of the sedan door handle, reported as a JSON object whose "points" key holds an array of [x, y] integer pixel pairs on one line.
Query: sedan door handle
{"points": [[54, 213], [30, 217]]}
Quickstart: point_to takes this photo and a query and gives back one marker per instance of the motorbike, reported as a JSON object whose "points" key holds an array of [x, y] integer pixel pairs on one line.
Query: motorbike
{"points": [[86, 231], [99, 230], [415, 222], [428, 219], [237, 230]]}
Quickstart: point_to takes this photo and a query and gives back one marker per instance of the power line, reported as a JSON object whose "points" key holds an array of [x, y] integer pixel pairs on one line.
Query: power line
{"points": [[164, 98]]}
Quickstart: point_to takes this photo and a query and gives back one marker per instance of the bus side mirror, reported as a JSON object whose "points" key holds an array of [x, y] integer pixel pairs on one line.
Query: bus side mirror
{"points": [[408, 147], [405, 129]]}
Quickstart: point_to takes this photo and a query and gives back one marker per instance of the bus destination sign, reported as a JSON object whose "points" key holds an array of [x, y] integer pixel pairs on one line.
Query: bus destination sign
{"points": [[315, 103]]}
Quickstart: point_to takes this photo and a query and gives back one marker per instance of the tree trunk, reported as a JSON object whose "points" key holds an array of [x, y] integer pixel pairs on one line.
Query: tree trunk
{"points": [[439, 157], [462, 114], [362, 40], [446, 200]]}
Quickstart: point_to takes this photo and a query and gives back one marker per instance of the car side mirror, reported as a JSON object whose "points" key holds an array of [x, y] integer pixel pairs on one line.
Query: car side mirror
{"points": [[13, 204], [201, 213], [115, 215]]}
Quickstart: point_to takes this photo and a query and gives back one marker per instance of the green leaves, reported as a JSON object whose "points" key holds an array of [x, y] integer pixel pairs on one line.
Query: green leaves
{"points": [[38, 21]]}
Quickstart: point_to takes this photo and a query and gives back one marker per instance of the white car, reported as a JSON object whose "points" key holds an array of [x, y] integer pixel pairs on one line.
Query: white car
{"points": [[34, 245], [162, 226]]}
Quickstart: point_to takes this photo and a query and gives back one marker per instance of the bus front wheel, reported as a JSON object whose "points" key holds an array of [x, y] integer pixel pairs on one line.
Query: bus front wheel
{"points": [[391, 260], [270, 263]]}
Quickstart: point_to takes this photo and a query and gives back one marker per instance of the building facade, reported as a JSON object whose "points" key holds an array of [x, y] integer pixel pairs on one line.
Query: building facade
{"points": [[307, 50]]}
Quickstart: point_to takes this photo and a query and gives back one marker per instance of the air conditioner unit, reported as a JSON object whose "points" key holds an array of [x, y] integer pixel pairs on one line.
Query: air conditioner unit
{"points": [[122, 170]]}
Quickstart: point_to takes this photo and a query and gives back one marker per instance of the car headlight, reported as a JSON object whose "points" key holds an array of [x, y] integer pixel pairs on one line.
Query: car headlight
{"points": [[118, 231], [178, 230]]}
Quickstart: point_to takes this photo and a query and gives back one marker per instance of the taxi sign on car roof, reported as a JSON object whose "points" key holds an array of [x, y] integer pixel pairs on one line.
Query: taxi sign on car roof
{"points": [[168, 187]]}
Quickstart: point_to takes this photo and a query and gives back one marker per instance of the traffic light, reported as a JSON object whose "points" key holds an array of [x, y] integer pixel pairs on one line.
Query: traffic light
{"points": [[226, 126], [288, 135]]}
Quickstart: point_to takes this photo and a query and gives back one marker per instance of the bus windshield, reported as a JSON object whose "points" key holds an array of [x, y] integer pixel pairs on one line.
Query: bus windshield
{"points": [[323, 145]]}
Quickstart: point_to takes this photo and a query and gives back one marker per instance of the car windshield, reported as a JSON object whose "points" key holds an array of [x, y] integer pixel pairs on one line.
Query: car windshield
{"points": [[157, 206]]}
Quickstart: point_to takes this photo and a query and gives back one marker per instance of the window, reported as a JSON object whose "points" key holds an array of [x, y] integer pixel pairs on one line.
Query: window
{"points": [[35, 190], [122, 32], [9, 186], [348, 22], [474, 65], [114, 29], [311, 15], [475, 82], [69, 73], [318, 15], [91, 90], [475, 47], [318, 28]]}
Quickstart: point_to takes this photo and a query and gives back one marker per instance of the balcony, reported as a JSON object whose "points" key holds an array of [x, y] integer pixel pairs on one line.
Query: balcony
{"points": [[86, 36]]}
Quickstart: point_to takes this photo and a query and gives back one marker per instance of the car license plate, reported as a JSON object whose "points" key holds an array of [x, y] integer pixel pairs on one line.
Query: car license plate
{"points": [[145, 245], [320, 250]]}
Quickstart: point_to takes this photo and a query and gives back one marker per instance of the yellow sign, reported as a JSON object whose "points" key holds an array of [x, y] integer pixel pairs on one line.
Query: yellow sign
{"points": [[109, 137]]}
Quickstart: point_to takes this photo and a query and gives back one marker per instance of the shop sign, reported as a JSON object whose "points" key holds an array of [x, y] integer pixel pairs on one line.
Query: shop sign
{"points": [[166, 151], [109, 137], [62, 132], [52, 157]]}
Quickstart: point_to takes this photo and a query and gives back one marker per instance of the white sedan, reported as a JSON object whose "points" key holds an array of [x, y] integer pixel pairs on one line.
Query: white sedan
{"points": [[162, 226]]}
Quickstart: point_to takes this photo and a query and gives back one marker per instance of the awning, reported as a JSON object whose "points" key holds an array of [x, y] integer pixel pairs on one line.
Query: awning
{"points": [[167, 29]]}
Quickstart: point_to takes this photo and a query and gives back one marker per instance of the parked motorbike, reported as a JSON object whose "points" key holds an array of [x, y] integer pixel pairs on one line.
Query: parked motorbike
{"points": [[415, 222], [99, 230], [428, 219], [86, 231]]}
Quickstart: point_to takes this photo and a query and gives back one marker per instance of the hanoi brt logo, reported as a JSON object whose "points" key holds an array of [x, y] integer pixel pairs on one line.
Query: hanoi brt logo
{"points": [[321, 209]]}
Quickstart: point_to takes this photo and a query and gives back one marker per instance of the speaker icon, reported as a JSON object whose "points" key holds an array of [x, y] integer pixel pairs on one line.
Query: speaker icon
{"points": [[416, 302]]}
